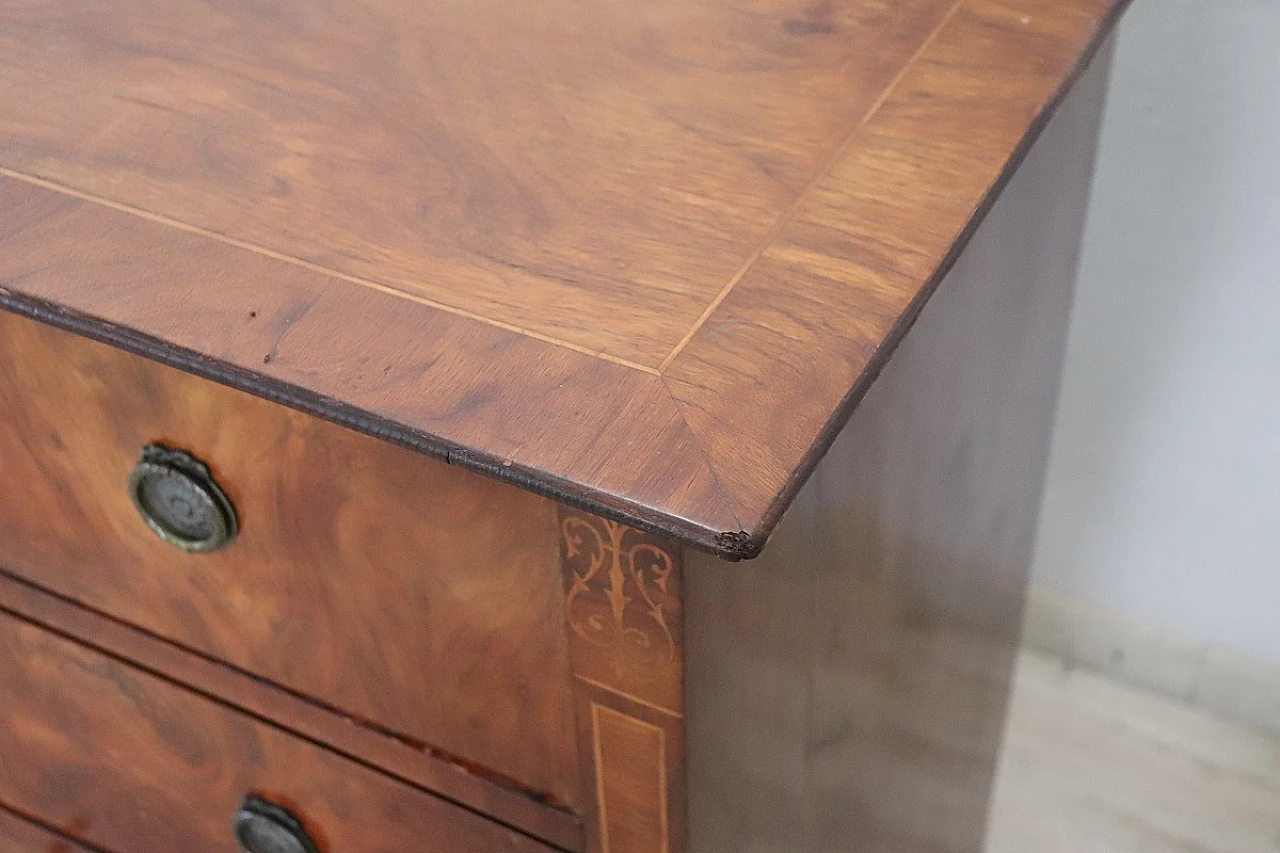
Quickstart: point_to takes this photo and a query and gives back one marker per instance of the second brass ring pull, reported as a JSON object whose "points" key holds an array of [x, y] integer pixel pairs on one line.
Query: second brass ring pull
{"points": [[262, 826]]}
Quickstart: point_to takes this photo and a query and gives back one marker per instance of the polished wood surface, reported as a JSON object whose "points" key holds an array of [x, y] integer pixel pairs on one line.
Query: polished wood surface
{"points": [[471, 786], [847, 691], [131, 762], [810, 324], [625, 618], [648, 271], [19, 835], [419, 597], [590, 172], [475, 395]]}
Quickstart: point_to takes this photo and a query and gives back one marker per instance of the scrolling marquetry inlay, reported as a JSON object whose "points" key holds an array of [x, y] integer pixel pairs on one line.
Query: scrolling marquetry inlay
{"points": [[631, 572], [624, 620]]}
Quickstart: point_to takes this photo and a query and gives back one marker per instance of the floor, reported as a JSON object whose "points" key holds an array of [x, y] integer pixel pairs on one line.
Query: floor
{"points": [[1094, 766]]}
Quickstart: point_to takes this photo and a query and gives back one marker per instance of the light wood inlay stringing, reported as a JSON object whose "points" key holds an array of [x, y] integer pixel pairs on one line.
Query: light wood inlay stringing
{"points": [[626, 650]]}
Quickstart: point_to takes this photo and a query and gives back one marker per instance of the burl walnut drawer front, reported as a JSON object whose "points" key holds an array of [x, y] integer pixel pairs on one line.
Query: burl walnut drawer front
{"points": [[132, 763], [389, 585]]}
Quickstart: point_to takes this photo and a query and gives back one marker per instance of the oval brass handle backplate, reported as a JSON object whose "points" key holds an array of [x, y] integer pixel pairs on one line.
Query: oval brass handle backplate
{"points": [[178, 499], [263, 827]]}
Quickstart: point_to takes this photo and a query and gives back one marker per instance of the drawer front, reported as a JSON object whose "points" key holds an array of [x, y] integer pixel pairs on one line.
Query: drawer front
{"points": [[132, 763], [388, 585]]}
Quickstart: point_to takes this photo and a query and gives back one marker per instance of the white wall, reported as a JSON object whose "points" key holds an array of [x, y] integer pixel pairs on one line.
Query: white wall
{"points": [[1163, 498]]}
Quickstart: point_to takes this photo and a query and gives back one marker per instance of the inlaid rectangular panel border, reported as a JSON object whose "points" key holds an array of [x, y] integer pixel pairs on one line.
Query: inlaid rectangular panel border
{"points": [[625, 621], [632, 817]]}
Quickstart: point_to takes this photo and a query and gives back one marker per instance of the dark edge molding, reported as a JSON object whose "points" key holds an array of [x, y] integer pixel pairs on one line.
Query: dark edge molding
{"points": [[345, 415]]}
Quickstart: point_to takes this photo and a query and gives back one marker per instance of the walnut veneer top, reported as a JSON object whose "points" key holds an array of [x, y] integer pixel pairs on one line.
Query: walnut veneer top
{"points": [[644, 255]]}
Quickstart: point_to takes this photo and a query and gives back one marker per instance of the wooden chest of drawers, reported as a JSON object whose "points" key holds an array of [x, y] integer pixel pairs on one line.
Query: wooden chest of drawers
{"points": [[399, 405]]}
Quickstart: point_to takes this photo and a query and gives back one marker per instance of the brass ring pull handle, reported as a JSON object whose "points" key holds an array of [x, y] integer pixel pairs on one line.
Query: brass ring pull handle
{"points": [[263, 827], [176, 496]]}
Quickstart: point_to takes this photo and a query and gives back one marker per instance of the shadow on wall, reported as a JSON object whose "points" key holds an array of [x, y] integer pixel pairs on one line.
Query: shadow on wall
{"points": [[1164, 489]]}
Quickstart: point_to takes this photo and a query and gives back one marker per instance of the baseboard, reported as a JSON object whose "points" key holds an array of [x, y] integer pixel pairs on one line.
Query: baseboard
{"points": [[1220, 680]]}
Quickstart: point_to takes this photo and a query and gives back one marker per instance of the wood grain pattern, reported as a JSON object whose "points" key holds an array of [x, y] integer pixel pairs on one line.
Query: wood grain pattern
{"points": [[18, 835], [810, 324], [624, 616], [631, 782], [130, 762], [480, 397], [590, 172], [470, 786], [847, 691], [400, 590], [649, 272]]}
